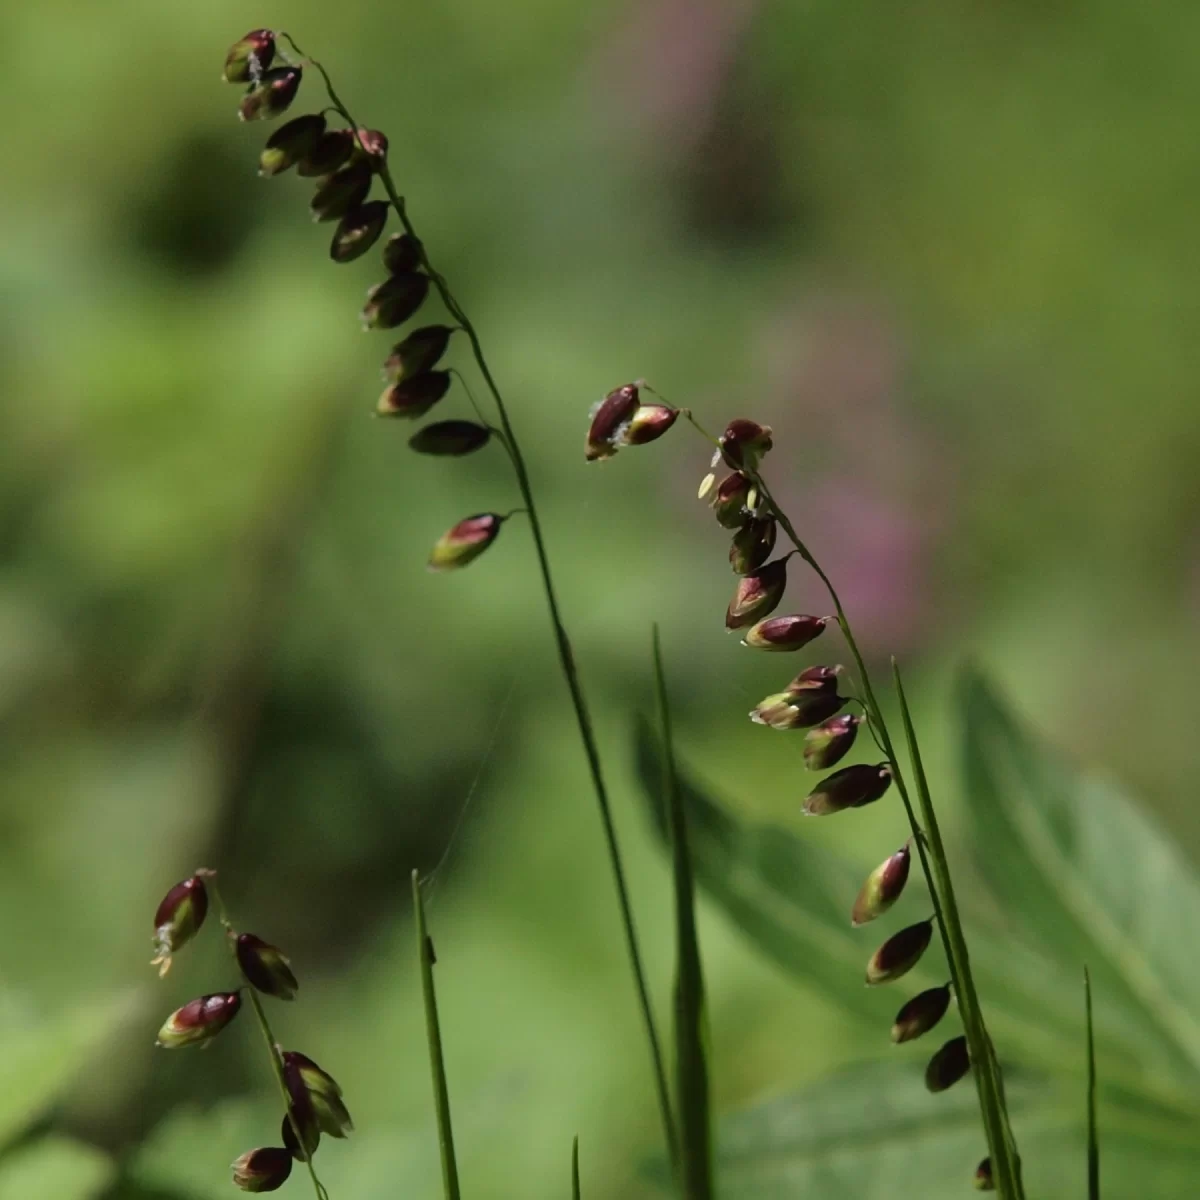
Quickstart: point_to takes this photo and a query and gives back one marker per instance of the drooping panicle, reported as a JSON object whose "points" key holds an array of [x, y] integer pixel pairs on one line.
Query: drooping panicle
{"points": [[331, 152], [827, 744], [339, 193], [393, 301], [734, 501], [752, 545], [262, 1170], [414, 397], [291, 143], [450, 438], [272, 95], [465, 542], [648, 423], [199, 1020], [785, 633], [359, 230], [900, 953], [418, 352], [250, 56], [851, 787], [266, 967], [608, 421], [948, 1065], [744, 443], [920, 1014], [883, 887], [178, 919], [757, 594]]}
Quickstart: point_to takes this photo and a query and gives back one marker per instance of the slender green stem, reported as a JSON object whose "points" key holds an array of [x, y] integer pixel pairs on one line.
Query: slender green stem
{"points": [[562, 641], [264, 1026], [1093, 1140], [576, 1193], [437, 1065]]}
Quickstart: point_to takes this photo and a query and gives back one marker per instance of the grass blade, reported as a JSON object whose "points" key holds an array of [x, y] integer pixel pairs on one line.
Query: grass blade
{"points": [[1001, 1144], [1093, 1142], [575, 1192], [690, 1025], [437, 1066]]}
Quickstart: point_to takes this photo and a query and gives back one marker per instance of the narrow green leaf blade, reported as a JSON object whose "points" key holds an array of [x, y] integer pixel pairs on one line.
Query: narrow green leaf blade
{"points": [[1093, 1151], [690, 1025]]}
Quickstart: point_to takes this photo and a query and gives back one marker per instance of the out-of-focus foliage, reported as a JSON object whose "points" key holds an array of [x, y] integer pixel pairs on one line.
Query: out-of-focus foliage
{"points": [[945, 250]]}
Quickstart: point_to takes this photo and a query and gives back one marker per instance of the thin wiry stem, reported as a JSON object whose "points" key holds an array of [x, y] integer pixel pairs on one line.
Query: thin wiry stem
{"points": [[273, 1050], [562, 641]]}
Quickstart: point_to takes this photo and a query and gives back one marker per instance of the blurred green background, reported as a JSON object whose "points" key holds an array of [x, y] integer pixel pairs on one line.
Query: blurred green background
{"points": [[947, 251]]}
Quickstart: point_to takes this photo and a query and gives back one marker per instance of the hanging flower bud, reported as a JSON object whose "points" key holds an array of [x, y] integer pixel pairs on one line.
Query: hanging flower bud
{"points": [[816, 679], [465, 542], [393, 301], [734, 501], [831, 741], [331, 151], [757, 594], [648, 423], [608, 420], [262, 1170], [796, 710], [291, 143], [706, 486], [985, 1181], [314, 1078], [450, 438], [177, 920], [250, 56], [358, 231], [324, 1094], [200, 1020], [371, 147], [414, 397], [340, 192], [744, 443], [752, 545], [272, 95], [948, 1065], [266, 967], [851, 787], [418, 352], [882, 888], [401, 254], [921, 1014], [785, 633], [900, 953], [301, 1115]]}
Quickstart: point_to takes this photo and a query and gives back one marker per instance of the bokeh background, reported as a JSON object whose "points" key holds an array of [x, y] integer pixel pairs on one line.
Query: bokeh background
{"points": [[947, 251]]}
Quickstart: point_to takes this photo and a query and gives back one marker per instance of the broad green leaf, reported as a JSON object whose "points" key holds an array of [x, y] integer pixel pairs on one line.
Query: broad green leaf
{"points": [[57, 1167]]}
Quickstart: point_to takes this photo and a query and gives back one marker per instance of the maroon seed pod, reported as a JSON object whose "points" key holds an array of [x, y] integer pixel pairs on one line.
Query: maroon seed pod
{"points": [[921, 1014], [948, 1065], [900, 953], [393, 301], [301, 1115], [757, 594], [331, 151], [358, 231], [752, 545], [324, 1093], [816, 679], [796, 710], [414, 397], [272, 95], [291, 143], [418, 352], [608, 418], [830, 742], [199, 1020], [882, 888], [465, 542], [177, 920], [262, 1170], [266, 967], [371, 147], [785, 633], [744, 443], [450, 438], [733, 501], [401, 254], [249, 57], [851, 787], [648, 423], [985, 1181], [341, 192]]}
